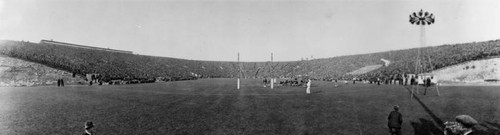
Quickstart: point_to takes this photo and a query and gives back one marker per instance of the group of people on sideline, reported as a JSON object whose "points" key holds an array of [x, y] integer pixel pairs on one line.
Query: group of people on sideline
{"points": [[60, 82], [405, 80], [308, 84], [463, 124]]}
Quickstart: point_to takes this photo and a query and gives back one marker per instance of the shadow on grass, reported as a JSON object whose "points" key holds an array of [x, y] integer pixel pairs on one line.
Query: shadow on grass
{"points": [[496, 125], [436, 119], [491, 129], [316, 92], [425, 127]]}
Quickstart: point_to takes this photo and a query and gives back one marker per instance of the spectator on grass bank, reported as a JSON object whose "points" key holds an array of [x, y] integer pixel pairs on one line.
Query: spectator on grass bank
{"points": [[62, 82], [395, 120], [88, 128], [308, 90]]}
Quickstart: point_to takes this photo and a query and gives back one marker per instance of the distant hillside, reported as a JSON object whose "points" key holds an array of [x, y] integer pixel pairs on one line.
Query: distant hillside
{"points": [[16, 72], [114, 65]]}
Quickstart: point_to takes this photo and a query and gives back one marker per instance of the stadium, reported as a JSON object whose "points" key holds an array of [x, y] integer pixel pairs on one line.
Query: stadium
{"points": [[74, 84]]}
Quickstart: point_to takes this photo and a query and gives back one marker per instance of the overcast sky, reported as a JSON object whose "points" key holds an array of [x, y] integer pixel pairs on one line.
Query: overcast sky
{"points": [[219, 29]]}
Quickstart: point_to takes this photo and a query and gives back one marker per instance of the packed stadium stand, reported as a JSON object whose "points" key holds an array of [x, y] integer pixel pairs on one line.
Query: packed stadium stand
{"points": [[124, 65], [51, 42]]}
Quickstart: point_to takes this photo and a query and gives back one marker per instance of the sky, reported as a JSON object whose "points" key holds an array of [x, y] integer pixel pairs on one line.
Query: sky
{"points": [[217, 30]]}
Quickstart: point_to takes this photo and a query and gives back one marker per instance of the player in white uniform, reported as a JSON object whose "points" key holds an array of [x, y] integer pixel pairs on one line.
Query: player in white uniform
{"points": [[308, 90]]}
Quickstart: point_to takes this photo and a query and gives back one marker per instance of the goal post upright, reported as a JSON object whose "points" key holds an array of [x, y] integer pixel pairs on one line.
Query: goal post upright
{"points": [[239, 72], [272, 72]]}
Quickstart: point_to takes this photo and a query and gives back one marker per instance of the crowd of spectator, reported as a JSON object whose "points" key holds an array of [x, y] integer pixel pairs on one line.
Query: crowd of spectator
{"points": [[121, 66]]}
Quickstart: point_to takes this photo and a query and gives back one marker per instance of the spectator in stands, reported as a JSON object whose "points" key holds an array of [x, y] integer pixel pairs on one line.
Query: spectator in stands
{"points": [[395, 120]]}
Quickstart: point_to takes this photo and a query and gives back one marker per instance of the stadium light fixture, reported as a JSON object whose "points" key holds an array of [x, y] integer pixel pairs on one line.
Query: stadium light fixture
{"points": [[421, 18]]}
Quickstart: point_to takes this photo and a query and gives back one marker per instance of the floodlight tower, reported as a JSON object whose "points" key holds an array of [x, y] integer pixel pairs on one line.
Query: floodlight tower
{"points": [[421, 18]]}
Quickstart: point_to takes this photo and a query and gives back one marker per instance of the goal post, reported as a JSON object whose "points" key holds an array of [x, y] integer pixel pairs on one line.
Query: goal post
{"points": [[239, 73]]}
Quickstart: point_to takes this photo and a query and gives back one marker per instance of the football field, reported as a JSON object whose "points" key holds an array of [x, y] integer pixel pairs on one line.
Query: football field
{"points": [[214, 106]]}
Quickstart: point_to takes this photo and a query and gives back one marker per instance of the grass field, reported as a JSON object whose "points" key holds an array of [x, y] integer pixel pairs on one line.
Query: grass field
{"points": [[214, 106]]}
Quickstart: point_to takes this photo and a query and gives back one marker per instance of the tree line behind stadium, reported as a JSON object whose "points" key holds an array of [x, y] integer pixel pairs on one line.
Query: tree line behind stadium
{"points": [[123, 65]]}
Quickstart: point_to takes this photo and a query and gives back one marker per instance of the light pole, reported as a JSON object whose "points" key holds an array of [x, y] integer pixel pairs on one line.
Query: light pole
{"points": [[421, 18]]}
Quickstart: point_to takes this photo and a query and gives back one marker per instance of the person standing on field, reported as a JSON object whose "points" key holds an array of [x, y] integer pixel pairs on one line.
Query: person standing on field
{"points": [[62, 82], [395, 121], [264, 82], [88, 128], [308, 90]]}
